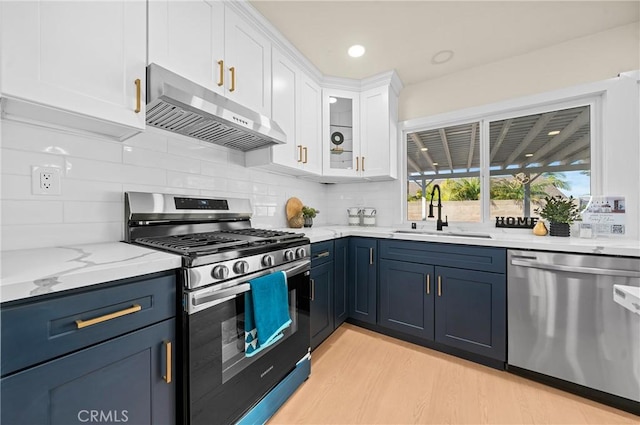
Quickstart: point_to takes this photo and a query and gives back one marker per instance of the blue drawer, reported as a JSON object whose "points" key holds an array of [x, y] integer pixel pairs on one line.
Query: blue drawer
{"points": [[479, 258], [321, 252], [41, 330]]}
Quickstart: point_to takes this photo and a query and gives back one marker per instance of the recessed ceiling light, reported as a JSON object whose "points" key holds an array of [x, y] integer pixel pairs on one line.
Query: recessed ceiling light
{"points": [[528, 155], [435, 163], [424, 149], [554, 132], [332, 100], [441, 57], [356, 51]]}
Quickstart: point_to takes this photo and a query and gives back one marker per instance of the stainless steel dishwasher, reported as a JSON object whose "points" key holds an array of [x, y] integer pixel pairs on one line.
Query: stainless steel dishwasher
{"points": [[577, 318]]}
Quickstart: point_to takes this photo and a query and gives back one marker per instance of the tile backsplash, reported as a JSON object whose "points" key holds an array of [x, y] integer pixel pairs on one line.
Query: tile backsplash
{"points": [[96, 172]]}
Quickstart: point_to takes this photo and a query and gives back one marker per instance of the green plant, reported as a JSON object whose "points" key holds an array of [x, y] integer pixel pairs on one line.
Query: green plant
{"points": [[309, 212], [559, 210]]}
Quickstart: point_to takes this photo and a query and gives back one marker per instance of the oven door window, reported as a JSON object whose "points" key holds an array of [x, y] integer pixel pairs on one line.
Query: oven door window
{"points": [[221, 382], [234, 336]]}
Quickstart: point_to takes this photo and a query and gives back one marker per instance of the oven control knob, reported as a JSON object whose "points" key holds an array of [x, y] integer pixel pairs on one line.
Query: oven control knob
{"points": [[300, 253], [289, 255], [241, 267], [220, 272], [267, 260]]}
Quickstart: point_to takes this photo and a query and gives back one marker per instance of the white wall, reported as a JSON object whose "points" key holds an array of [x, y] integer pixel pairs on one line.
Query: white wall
{"points": [[586, 59], [96, 172]]}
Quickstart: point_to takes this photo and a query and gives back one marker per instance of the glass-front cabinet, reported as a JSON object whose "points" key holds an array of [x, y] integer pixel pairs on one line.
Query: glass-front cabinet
{"points": [[341, 133]]}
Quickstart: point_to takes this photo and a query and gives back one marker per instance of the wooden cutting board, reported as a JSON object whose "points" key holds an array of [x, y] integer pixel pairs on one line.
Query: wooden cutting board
{"points": [[294, 207]]}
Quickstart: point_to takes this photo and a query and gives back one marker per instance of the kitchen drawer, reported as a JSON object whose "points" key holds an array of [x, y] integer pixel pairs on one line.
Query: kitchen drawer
{"points": [[479, 258], [37, 331], [321, 252]]}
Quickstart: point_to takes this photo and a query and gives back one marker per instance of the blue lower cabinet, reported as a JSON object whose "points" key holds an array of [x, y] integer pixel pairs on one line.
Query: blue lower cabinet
{"points": [[127, 379], [363, 279], [340, 279], [407, 297], [470, 311], [321, 303]]}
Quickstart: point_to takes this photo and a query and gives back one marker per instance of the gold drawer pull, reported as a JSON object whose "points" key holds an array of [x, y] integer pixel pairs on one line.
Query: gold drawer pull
{"points": [[167, 377], [306, 155], [84, 323], [323, 254], [138, 95], [313, 289], [299, 153], [363, 163], [428, 284], [439, 286]]}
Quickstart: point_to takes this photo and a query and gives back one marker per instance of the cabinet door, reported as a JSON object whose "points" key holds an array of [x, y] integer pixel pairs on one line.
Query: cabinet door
{"points": [[81, 57], [362, 279], [470, 311], [341, 294], [285, 110], [375, 154], [310, 125], [341, 133], [121, 380], [406, 297], [187, 37], [321, 303], [248, 64]]}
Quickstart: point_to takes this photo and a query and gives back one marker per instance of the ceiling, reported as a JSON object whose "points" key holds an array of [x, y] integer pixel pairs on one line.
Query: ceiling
{"points": [[407, 35]]}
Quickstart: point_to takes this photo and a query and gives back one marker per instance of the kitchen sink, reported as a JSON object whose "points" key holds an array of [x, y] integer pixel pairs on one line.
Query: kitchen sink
{"points": [[454, 234]]}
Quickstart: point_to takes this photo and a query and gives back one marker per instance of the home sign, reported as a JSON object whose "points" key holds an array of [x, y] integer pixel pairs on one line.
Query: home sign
{"points": [[516, 222]]}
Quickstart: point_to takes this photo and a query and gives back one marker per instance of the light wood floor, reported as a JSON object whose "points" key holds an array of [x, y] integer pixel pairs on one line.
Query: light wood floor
{"points": [[361, 377]]}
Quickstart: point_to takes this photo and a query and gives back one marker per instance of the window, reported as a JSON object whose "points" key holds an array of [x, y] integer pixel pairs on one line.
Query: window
{"points": [[450, 158], [525, 156]]}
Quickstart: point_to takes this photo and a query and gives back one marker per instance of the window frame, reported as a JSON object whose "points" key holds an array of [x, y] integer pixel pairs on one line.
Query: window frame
{"points": [[592, 95]]}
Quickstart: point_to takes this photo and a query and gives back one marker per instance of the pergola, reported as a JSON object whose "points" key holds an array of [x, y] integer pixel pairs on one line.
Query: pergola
{"points": [[523, 147]]}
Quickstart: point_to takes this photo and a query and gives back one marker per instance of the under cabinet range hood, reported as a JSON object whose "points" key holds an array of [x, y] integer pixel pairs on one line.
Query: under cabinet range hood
{"points": [[181, 106]]}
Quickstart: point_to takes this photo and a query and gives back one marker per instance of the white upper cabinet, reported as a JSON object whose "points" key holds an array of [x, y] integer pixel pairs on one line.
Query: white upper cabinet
{"points": [[360, 133], [187, 37], [208, 43], [341, 134], [296, 108], [378, 138], [75, 64]]}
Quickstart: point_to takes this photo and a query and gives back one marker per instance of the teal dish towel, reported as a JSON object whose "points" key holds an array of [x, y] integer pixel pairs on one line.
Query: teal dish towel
{"points": [[266, 312]]}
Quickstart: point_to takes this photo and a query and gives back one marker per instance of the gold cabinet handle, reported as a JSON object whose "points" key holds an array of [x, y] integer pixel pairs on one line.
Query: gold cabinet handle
{"points": [[428, 284], [357, 162], [306, 155], [439, 286], [138, 95], [299, 153], [84, 323], [232, 70], [167, 348], [313, 289], [323, 254], [363, 163], [221, 72], [370, 256]]}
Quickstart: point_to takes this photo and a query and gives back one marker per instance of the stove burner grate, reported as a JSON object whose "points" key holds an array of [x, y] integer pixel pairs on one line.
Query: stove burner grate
{"points": [[193, 243], [264, 234]]}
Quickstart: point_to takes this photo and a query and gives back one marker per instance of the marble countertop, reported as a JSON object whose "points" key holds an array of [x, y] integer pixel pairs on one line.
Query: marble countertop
{"points": [[499, 238], [28, 273], [31, 272]]}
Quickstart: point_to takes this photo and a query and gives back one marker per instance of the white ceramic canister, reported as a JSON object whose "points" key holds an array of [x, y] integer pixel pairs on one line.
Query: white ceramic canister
{"points": [[353, 216], [368, 216]]}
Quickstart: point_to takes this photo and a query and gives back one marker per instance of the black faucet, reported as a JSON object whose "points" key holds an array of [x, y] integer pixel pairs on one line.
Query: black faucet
{"points": [[439, 224]]}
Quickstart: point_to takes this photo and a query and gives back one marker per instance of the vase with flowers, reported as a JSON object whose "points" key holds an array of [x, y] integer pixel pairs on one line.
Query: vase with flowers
{"points": [[309, 213]]}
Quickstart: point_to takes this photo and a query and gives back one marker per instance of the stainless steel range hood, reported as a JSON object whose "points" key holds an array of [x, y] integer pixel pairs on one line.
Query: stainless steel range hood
{"points": [[181, 106]]}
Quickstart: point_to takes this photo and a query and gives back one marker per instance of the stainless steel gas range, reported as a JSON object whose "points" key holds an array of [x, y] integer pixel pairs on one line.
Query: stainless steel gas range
{"points": [[221, 253]]}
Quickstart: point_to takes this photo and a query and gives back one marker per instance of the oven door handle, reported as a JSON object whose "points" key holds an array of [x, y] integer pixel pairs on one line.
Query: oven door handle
{"points": [[223, 295]]}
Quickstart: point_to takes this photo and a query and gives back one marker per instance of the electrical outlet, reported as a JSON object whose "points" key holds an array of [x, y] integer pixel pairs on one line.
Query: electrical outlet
{"points": [[45, 180]]}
